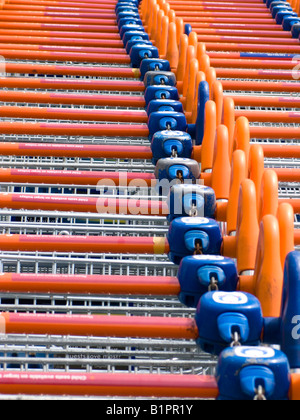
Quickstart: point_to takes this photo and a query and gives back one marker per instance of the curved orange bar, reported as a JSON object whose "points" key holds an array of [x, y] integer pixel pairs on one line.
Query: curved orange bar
{"points": [[204, 62], [229, 121], [183, 46], [256, 170], [82, 244], [164, 36], [211, 77], [285, 216], [269, 194], [217, 96], [108, 384], [193, 40], [179, 29], [152, 31], [238, 175], [172, 50], [208, 143], [191, 89], [190, 55], [85, 284], [157, 38], [221, 169], [247, 227], [268, 275], [201, 49], [241, 138]]}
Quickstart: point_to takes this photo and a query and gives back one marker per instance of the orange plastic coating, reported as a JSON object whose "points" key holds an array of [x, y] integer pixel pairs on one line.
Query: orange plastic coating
{"points": [[179, 29], [294, 394], [211, 77], [164, 36], [44, 97], [191, 89], [76, 84], [172, 50], [204, 62], [108, 384], [247, 227], [269, 194], [241, 138], [158, 39], [74, 114], [229, 121], [183, 46], [238, 175], [84, 284], [256, 170], [73, 177], [190, 55], [208, 143], [94, 244], [285, 218], [75, 150], [69, 129], [100, 325], [52, 202], [268, 276], [221, 170], [217, 96]]}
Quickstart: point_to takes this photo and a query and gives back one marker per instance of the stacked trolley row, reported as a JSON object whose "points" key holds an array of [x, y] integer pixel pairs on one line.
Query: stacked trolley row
{"points": [[85, 238], [77, 170], [245, 102]]}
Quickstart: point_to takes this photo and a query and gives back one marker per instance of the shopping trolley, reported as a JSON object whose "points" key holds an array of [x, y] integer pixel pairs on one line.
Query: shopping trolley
{"points": [[53, 87], [53, 244]]}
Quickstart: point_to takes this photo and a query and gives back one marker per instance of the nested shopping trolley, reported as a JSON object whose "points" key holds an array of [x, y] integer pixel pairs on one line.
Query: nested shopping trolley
{"points": [[98, 141], [75, 135]]}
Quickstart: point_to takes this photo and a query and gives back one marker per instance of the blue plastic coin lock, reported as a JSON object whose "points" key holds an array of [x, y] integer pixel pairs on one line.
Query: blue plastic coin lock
{"points": [[166, 120], [126, 28], [283, 14], [192, 236], [153, 64], [140, 51], [198, 273], [135, 41], [221, 314], [246, 373], [161, 92], [177, 169], [289, 21], [161, 105], [159, 78], [129, 20], [141, 35], [168, 143], [191, 200]]}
